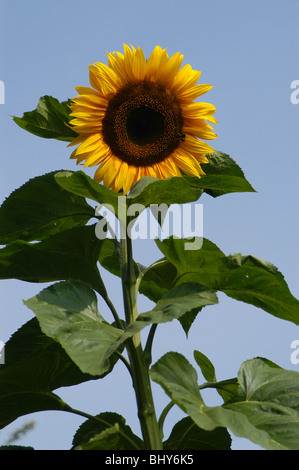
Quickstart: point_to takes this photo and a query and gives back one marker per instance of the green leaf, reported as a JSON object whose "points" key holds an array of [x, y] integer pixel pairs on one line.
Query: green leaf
{"points": [[68, 312], [258, 282], [68, 255], [179, 379], [109, 256], [158, 279], [110, 432], [35, 365], [269, 397], [49, 120], [207, 368], [265, 409], [185, 435], [174, 304], [81, 184], [223, 176], [179, 300], [30, 343], [226, 388], [15, 447], [175, 190], [245, 278], [109, 436], [208, 263], [39, 209]]}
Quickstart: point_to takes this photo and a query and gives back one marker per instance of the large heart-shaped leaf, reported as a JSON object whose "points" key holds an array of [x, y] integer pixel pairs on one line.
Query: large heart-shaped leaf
{"points": [[186, 435], [265, 409], [245, 278], [108, 431], [70, 255], [175, 190], [223, 176], [35, 365], [41, 208], [67, 312], [81, 184], [158, 279]]}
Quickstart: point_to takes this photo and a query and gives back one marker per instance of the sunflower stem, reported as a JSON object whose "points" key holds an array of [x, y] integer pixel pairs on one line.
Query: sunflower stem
{"points": [[138, 366]]}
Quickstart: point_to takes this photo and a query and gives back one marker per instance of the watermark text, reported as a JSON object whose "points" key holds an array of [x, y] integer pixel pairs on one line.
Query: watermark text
{"points": [[295, 94], [157, 221], [2, 92], [2, 351], [295, 354]]}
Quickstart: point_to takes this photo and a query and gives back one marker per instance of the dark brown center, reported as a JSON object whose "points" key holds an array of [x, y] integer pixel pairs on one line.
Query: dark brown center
{"points": [[143, 124]]}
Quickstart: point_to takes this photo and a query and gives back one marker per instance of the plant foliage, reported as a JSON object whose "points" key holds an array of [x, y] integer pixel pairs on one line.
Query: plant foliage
{"points": [[48, 234]]}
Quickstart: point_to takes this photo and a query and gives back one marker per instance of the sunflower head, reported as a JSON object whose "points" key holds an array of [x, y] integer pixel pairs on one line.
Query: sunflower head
{"points": [[140, 119]]}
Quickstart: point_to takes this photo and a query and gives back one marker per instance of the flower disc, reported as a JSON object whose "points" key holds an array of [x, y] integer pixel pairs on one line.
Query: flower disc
{"points": [[142, 124]]}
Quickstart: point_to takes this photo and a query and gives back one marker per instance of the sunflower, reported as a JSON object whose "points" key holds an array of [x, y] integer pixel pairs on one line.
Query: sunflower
{"points": [[140, 119]]}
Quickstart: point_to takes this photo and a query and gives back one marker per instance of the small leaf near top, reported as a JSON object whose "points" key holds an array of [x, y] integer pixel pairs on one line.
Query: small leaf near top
{"points": [[49, 120]]}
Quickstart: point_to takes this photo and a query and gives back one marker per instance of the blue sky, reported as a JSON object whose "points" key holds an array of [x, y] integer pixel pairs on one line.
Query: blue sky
{"points": [[248, 51]]}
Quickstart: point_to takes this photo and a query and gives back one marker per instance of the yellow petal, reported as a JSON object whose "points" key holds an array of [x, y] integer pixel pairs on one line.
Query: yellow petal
{"points": [[198, 109], [193, 92], [206, 133], [196, 147], [187, 163], [156, 63], [170, 70], [130, 176], [117, 64], [185, 78], [139, 65], [77, 140], [89, 143], [170, 166]]}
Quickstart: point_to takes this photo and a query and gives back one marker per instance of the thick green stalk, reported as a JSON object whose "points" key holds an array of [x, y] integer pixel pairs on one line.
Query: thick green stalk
{"points": [[139, 367]]}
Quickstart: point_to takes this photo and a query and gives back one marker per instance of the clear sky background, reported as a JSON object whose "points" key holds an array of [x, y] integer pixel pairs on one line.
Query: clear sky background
{"points": [[249, 51]]}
